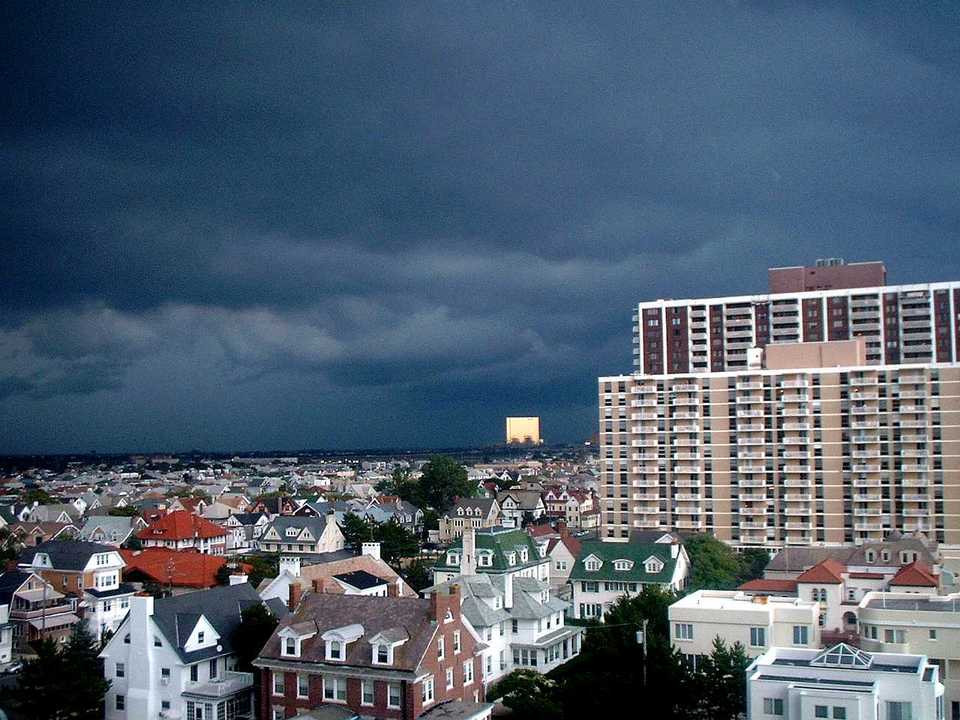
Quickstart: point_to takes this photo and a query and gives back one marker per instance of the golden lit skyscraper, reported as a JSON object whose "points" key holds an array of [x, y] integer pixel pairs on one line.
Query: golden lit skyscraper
{"points": [[523, 430]]}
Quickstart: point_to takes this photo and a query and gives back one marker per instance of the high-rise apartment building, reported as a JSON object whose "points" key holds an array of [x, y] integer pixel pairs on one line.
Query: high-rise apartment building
{"points": [[793, 436], [900, 323]]}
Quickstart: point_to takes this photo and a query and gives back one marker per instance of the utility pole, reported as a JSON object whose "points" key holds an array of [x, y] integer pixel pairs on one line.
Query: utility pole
{"points": [[642, 639]]}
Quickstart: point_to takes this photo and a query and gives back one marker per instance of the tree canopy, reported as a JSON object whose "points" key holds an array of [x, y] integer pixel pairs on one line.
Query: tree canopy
{"points": [[256, 626], [443, 480], [715, 565]]}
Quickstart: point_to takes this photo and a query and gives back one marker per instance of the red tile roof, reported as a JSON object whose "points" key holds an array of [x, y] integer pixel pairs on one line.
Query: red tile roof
{"points": [[571, 543], [762, 585], [181, 525], [182, 568], [827, 571], [916, 574]]}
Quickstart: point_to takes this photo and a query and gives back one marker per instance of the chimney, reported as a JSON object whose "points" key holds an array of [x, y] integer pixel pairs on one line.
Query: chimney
{"points": [[294, 596], [370, 548], [508, 591], [674, 550], [141, 702], [318, 585], [563, 529], [291, 564], [393, 589], [468, 553], [238, 579]]}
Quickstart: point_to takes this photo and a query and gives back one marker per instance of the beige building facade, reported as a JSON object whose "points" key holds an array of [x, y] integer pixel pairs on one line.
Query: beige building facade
{"points": [[523, 431], [771, 455]]}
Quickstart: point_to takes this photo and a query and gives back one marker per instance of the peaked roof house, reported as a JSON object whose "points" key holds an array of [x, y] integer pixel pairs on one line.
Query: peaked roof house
{"points": [[178, 571], [476, 512], [88, 571], [607, 570], [182, 530], [517, 506], [496, 551], [302, 535], [382, 657], [174, 657], [110, 529], [35, 611]]}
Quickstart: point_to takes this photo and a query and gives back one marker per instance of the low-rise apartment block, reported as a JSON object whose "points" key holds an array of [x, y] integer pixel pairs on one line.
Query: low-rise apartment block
{"points": [[842, 683], [757, 623], [924, 625]]}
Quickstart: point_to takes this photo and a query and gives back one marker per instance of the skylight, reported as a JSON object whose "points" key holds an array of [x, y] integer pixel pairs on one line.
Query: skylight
{"points": [[842, 655]]}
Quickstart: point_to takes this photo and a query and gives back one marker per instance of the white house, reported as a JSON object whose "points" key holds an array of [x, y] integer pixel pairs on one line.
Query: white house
{"points": [[757, 623], [302, 535], [173, 657], [842, 683]]}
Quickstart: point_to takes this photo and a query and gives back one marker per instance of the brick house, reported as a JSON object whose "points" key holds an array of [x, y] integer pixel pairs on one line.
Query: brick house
{"points": [[384, 657]]}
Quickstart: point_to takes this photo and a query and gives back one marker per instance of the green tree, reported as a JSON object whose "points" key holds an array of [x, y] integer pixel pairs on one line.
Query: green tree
{"points": [[530, 695], [37, 695], [223, 573], [125, 511], [37, 495], [417, 574], [443, 480], [396, 541], [262, 567], [753, 561], [356, 531], [256, 626], [723, 682], [85, 685], [713, 564], [399, 483]]}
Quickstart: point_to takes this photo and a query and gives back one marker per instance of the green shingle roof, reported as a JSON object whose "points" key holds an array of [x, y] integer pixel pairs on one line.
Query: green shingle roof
{"points": [[608, 553], [499, 541]]}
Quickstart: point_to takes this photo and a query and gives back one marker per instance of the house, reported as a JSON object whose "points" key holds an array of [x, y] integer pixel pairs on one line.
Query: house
{"points": [[562, 552], [182, 530], [384, 657], [519, 506], [35, 533], [88, 571], [923, 624], [495, 551], [176, 571], [842, 682], [192, 505], [110, 529], [607, 570], [756, 622], [35, 611], [468, 512], [302, 535], [514, 613], [64, 513], [6, 625], [245, 529], [329, 577], [274, 505], [174, 657]]}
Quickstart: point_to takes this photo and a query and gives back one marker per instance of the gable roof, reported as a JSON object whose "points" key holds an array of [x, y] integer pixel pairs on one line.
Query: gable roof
{"points": [[221, 606], [316, 524], [181, 525], [376, 615], [916, 574], [498, 541], [65, 554], [182, 568], [10, 582], [828, 572], [573, 545], [635, 552], [482, 504]]}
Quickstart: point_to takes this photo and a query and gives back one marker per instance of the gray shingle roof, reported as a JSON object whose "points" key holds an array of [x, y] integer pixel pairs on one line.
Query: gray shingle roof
{"points": [[221, 606], [65, 554]]}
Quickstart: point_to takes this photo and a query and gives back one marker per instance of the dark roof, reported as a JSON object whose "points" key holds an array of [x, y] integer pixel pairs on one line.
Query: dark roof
{"points": [[221, 606], [278, 607], [249, 518], [10, 582], [375, 614], [65, 554], [636, 552], [360, 579], [122, 589]]}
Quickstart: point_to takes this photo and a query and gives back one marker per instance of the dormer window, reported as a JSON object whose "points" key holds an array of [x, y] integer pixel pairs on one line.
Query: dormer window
{"points": [[485, 559], [871, 556], [592, 563], [885, 555], [523, 554], [652, 565], [453, 559], [291, 647], [511, 558], [291, 532], [622, 565], [334, 650], [382, 655]]}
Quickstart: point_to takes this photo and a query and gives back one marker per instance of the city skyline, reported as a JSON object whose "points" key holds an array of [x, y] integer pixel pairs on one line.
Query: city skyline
{"points": [[394, 226]]}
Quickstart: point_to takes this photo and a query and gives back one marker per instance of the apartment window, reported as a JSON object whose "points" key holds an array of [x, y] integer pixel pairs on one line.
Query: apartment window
{"points": [[213, 669], [899, 710], [121, 703], [440, 649], [800, 635], [164, 676], [772, 706], [468, 672], [393, 695], [303, 685], [893, 635], [933, 634], [821, 711], [758, 637], [839, 712], [684, 631], [277, 683], [449, 675], [126, 639], [366, 692], [426, 691], [334, 689], [195, 674]]}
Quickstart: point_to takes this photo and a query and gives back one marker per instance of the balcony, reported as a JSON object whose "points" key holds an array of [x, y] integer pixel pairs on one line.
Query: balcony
{"points": [[795, 397], [867, 498], [793, 469], [757, 511], [686, 496], [915, 482], [867, 482], [869, 512], [752, 482], [685, 415], [868, 527], [750, 441], [866, 468], [752, 497], [686, 428], [795, 440], [795, 412], [865, 424], [685, 387], [687, 456], [692, 469], [687, 482], [913, 423], [799, 539], [916, 468], [750, 385], [863, 410], [794, 384], [644, 442], [689, 524], [643, 416], [750, 413], [749, 455], [912, 394], [749, 427], [685, 401], [686, 442], [913, 452], [797, 525], [646, 402], [645, 430], [797, 482], [794, 455], [687, 510], [645, 496], [230, 684], [796, 426], [796, 497], [747, 469], [753, 525], [864, 380], [866, 454], [914, 512], [914, 498], [865, 439]]}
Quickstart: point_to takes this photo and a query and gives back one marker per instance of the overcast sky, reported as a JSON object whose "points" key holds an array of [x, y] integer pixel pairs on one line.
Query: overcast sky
{"points": [[394, 224]]}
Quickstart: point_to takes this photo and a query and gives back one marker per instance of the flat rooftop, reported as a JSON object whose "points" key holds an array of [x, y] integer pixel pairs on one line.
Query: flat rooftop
{"points": [[734, 600], [918, 603]]}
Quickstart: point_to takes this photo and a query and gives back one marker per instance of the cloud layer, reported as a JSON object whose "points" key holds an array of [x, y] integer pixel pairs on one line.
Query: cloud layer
{"points": [[393, 224]]}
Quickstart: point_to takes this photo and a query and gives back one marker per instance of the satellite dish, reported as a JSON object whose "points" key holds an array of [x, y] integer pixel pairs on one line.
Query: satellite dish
{"points": [[219, 648]]}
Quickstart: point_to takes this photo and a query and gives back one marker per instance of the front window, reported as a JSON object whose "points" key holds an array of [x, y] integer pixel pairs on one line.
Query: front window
{"points": [[366, 692], [449, 678], [440, 652], [213, 669], [335, 689], [121, 703], [899, 710], [821, 711], [277, 683], [800, 634], [426, 691], [303, 685], [684, 631], [393, 695], [456, 641], [772, 706], [468, 672], [758, 637]]}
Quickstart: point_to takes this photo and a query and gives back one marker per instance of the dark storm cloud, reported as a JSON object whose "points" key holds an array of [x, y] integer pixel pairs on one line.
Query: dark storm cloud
{"points": [[267, 224]]}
